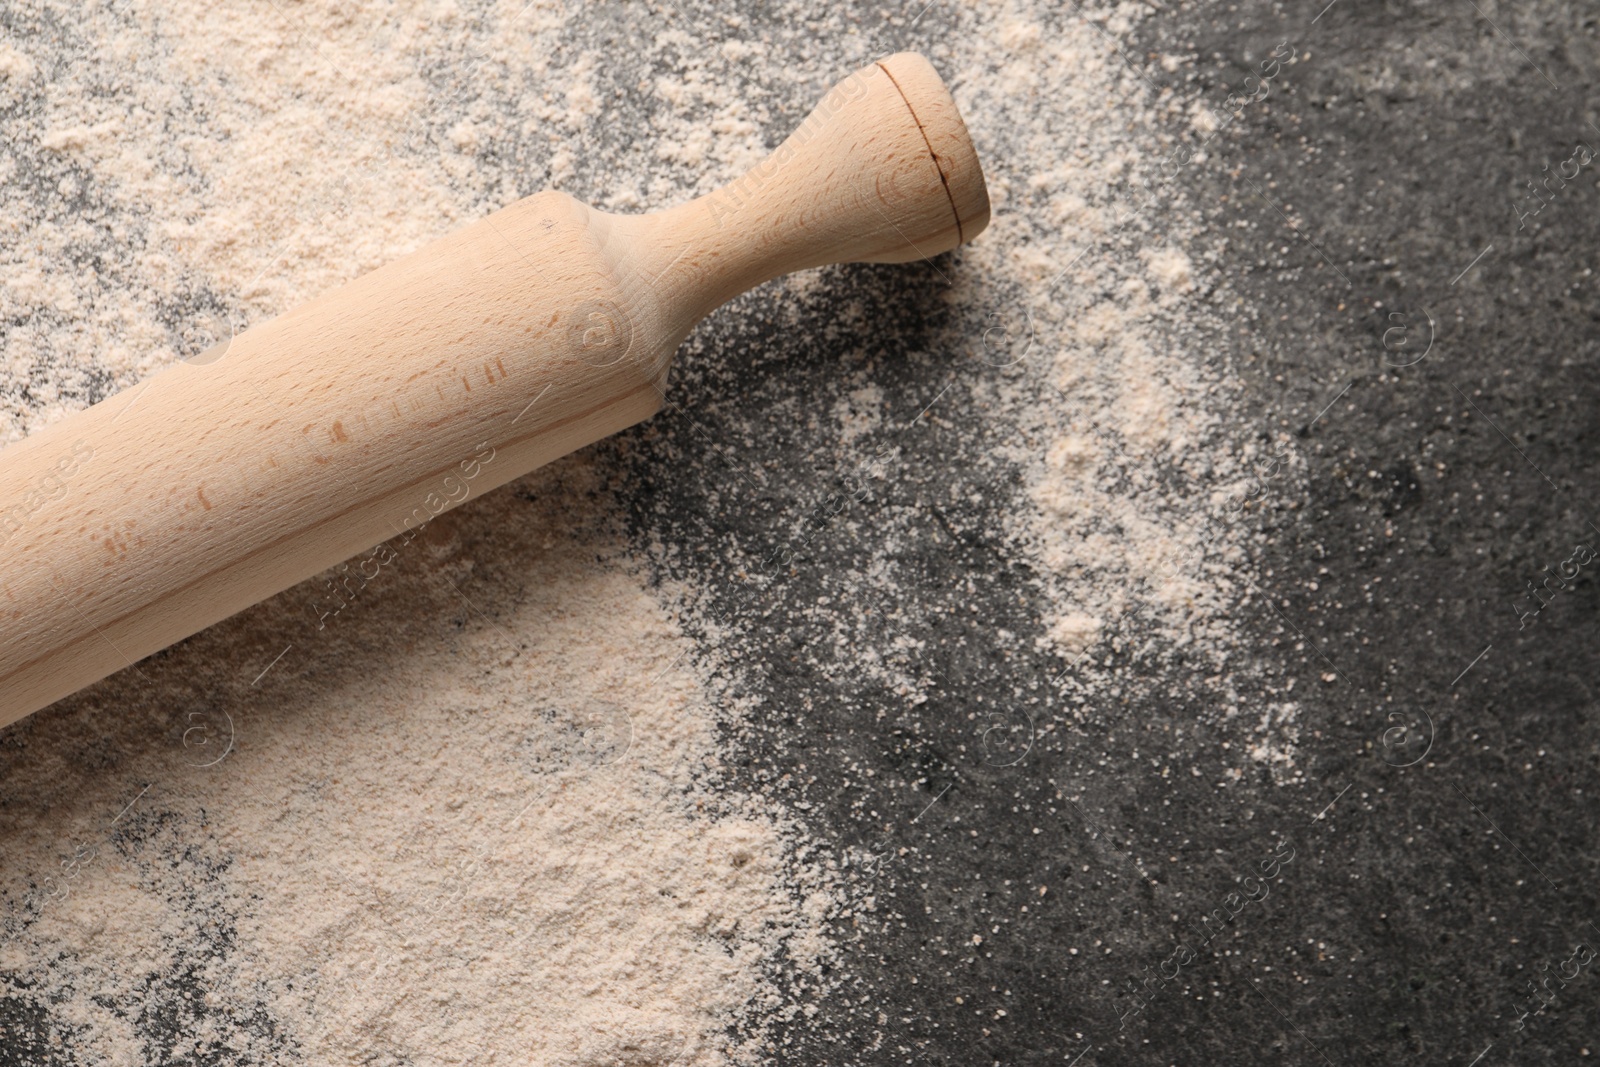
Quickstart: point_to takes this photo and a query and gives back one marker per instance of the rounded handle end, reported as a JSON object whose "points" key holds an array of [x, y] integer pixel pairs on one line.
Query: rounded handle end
{"points": [[949, 147], [881, 171]]}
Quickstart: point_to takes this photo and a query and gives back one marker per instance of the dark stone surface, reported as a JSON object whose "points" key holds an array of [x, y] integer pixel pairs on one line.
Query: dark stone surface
{"points": [[1421, 897]]}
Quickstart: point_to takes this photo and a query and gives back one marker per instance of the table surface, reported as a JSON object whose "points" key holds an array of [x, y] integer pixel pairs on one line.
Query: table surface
{"points": [[1446, 751]]}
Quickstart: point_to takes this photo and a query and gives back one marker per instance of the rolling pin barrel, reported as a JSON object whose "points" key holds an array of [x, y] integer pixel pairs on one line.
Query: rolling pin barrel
{"points": [[359, 416]]}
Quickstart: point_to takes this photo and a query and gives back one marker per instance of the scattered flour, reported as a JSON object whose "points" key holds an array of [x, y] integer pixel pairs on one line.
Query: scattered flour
{"points": [[1109, 319], [500, 840]]}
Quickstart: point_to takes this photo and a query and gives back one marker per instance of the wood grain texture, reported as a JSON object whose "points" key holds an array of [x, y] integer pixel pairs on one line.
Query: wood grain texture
{"points": [[362, 414]]}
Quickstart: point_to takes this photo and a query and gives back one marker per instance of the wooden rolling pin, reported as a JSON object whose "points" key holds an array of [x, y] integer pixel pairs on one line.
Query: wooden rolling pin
{"points": [[526, 335]]}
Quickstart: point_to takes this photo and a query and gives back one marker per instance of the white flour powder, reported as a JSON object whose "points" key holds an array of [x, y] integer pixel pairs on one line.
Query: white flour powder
{"points": [[498, 836]]}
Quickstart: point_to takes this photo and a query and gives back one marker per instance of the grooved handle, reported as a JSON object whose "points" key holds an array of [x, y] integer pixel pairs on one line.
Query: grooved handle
{"points": [[357, 417]]}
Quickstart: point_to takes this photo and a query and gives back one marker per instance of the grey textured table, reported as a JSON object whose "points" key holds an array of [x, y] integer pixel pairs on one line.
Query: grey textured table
{"points": [[1441, 831]]}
